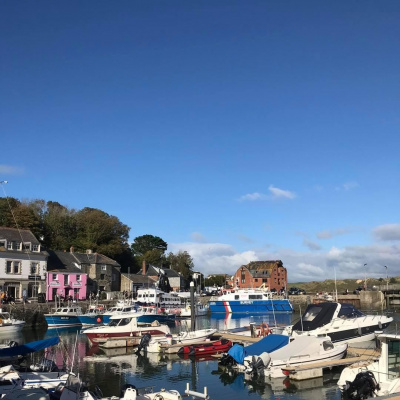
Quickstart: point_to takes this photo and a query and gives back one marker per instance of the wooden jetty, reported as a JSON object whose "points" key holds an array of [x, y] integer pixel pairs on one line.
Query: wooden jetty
{"points": [[316, 370]]}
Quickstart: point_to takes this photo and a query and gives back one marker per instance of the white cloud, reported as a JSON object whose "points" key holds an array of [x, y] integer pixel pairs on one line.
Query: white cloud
{"points": [[347, 262], [330, 234], [348, 186], [253, 197], [387, 232], [311, 245], [10, 170], [275, 193], [280, 193]]}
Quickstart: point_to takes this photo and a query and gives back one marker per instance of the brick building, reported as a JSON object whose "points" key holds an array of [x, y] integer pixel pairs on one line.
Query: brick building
{"points": [[267, 274]]}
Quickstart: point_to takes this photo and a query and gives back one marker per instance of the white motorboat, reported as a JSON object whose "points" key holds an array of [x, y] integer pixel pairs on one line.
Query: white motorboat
{"points": [[125, 327], [158, 298], [378, 377], [9, 324], [163, 344], [342, 322], [12, 380], [119, 309], [300, 350]]}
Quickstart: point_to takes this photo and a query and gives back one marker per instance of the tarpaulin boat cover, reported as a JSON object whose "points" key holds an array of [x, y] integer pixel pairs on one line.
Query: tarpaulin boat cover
{"points": [[268, 344], [27, 348]]}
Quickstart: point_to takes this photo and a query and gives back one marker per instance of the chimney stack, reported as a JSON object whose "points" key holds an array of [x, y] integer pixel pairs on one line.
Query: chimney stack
{"points": [[144, 267], [71, 250]]}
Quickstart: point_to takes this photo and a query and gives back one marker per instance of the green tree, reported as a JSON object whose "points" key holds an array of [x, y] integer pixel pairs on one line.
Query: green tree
{"points": [[143, 244], [181, 262], [7, 205], [100, 232]]}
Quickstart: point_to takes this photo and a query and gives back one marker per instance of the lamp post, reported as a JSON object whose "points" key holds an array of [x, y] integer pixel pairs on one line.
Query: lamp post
{"points": [[365, 286], [387, 280]]}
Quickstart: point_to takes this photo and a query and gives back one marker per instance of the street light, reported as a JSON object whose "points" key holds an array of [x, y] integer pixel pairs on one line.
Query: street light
{"points": [[387, 280]]}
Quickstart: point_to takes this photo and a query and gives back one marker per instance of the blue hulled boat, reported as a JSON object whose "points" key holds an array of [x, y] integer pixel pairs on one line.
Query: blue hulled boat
{"points": [[64, 316], [249, 301]]}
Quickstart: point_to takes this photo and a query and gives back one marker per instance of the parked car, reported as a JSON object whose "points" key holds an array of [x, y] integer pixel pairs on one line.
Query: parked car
{"points": [[295, 291]]}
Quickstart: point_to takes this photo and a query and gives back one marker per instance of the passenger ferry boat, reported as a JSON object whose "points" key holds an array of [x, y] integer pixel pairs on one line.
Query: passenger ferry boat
{"points": [[158, 298], [248, 301]]}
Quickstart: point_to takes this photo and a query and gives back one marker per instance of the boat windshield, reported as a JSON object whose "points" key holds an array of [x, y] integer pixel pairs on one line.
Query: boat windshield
{"points": [[311, 313], [119, 321], [349, 311]]}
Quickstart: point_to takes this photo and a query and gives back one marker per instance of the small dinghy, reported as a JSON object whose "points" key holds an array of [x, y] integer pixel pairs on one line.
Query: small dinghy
{"points": [[212, 347]]}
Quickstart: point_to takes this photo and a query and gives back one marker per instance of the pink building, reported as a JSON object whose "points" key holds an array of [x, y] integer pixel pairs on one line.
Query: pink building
{"points": [[64, 278]]}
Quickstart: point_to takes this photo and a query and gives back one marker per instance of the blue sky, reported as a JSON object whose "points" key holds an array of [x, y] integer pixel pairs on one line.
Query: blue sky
{"points": [[234, 130]]}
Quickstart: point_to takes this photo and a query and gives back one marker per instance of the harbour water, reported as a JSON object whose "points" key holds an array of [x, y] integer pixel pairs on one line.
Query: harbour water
{"points": [[110, 369]]}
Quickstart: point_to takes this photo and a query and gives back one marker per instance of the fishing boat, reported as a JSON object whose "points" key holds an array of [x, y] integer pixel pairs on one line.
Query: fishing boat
{"points": [[119, 309], [9, 324], [298, 351], [93, 316], [64, 316], [342, 322], [149, 314], [211, 347], [125, 327], [249, 301], [376, 378]]}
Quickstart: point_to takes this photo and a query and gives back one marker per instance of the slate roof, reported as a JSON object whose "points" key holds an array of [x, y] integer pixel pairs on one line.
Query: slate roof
{"points": [[61, 261], [93, 258], [135, 278], [14, 235], [153, 271]]}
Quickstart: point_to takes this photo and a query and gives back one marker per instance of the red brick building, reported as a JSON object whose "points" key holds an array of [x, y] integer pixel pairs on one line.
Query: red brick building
{"points": [[266, 274]]}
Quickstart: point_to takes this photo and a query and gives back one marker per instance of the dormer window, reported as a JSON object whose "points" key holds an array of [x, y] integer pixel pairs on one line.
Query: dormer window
{"points": [[36, 247], [3, 243], [17, 246], [9, 246], [27, 246]]}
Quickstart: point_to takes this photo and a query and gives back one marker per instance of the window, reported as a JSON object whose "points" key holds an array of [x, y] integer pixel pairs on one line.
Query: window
{"points": [[104, 267], [17, 246], [34, 268], [78, 278], [27, 246], [102, 277], [2, 243], [36, 247], [13, 267], [65, 279], [54, 277], [9, 245]]}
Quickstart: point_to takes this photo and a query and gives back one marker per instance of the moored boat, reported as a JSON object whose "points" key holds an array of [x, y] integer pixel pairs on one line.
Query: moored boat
{"points": [[125, 326], [212, 347], [64, 316], [342, 322], [249, 301], [9, 324]]}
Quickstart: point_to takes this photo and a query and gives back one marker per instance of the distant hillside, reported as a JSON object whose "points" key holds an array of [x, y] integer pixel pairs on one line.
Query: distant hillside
{"points": [[341, 284]]}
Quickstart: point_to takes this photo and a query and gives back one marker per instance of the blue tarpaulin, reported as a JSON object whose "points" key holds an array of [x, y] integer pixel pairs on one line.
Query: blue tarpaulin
{"points": [[27, 348], [268, 344]]}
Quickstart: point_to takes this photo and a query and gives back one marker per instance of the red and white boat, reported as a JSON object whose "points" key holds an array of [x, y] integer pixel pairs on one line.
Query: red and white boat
{"points": [[125, 327]]}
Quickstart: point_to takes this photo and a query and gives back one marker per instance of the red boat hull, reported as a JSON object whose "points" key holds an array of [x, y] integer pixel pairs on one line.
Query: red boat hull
{"points": [[216, 347]]}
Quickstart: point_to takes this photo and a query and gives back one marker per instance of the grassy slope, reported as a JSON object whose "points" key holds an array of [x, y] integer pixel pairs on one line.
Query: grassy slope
{"points": [[341, 285]]}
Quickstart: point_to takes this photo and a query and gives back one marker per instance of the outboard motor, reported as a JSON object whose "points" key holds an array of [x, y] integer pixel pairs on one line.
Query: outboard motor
{"points": [[227, 360], [144, 342], [125, 388], [363, 386], [257, 364]]}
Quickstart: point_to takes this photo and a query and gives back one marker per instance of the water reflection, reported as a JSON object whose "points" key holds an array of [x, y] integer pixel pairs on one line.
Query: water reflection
{"points": [[110, 369]]}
